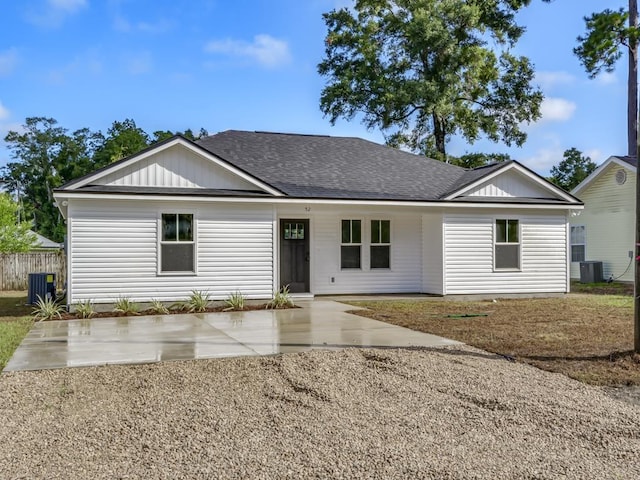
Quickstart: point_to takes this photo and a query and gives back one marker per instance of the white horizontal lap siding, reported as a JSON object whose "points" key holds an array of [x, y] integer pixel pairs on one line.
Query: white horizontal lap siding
{"points": [[114, 252], [432, 254], [405, 274], [609, 220], [469, 255]]}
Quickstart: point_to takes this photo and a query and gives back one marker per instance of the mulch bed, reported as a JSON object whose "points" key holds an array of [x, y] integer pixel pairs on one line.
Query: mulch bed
{"points": [[214, 309]]}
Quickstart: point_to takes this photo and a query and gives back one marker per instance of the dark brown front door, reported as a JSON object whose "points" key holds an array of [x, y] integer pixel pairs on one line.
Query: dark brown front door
{"points": [[294, 254]]}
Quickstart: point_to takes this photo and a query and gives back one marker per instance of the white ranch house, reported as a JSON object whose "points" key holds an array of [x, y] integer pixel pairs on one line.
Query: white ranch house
{"points": [[253, 211]]}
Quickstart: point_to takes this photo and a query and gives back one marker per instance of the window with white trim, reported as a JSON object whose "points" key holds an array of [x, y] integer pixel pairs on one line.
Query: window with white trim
{"points": [[380, 243], [507, 244], [351, 244], [578, 243], [177, 245]]}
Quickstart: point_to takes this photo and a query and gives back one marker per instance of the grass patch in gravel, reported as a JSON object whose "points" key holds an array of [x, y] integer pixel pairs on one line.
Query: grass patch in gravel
{"points": [[587, 337], [14, 323]]}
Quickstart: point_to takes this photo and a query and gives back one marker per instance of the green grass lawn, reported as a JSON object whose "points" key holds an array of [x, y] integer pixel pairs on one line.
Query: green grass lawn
{"points": [[15, 322]]}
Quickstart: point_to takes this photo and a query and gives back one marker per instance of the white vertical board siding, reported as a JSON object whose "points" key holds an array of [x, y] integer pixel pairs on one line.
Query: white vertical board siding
{"points": [[609, 220], [405, 274], [469, 255], [509, 184], [176, 167], [432, 280], [114, 251]]}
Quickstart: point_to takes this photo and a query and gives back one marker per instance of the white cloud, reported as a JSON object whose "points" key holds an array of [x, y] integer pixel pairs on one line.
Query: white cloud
{"points": [[4, 112], [87, 63], [54, 12], [606, 78], [70, 6], [139, 63], [556, 110], [548, 80], [121, 24], [8, 61], [545, 158], [265, 49], [594, 154]]}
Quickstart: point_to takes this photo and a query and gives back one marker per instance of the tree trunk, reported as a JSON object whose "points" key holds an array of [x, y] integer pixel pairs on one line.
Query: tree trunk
{"points": [[439, 134], [632, 84], [633, 102]]}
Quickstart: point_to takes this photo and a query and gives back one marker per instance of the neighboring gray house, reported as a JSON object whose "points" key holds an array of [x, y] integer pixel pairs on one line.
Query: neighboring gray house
{"points": [[43, 243], [252, 211], [605, 230]]}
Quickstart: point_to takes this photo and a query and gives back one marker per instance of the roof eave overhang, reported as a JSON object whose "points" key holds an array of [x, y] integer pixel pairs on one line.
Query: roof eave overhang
{"points": [[63, 196]]}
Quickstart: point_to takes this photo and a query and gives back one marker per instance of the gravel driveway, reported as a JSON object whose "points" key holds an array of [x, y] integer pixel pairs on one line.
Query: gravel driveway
{"points": [[451, 413]]}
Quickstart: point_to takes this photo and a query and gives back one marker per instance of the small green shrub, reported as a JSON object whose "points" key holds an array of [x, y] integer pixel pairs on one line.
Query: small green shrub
{"points": [[198, 301], [85, 309], [158, 307], [281, 299], [235, 301], [47, 309], [126, 306]]}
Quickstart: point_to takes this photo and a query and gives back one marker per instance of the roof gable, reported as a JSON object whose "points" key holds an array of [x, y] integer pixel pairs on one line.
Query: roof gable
{"points": [[511, 180], [627, 163], [176, 167], [177, 163]]}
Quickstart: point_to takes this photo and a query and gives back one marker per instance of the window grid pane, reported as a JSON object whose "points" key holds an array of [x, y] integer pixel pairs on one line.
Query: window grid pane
{"points": [[385, 231], [185, 227], [512, 231], [501, 231], [346, 231], [507, 256], [375, 231], [577, 253], [380, 256], [169, 227], [177, 257], [578, 234], [356, 231], [350, 256]]}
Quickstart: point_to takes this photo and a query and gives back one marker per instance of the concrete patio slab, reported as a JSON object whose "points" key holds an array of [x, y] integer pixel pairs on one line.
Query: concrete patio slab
{"points": [[320, 324]]}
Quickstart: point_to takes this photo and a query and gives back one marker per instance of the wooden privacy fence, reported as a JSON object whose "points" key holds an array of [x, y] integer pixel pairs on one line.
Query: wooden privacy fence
{"points": [[16, 267]]}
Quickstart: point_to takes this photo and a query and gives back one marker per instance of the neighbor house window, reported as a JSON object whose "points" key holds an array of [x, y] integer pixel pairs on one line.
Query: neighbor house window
{"points": [[578, 243], [350, 248], [507, 244], [380, 243], [177, 244]]}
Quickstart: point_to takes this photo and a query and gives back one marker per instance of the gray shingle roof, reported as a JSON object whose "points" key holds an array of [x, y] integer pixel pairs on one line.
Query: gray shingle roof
{"points": [[633, 161], [334, 167], [314, 166]]}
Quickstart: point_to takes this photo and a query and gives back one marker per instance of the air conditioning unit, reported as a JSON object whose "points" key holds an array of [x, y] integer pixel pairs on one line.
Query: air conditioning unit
{"points": [[41, 285], [591, 272]]}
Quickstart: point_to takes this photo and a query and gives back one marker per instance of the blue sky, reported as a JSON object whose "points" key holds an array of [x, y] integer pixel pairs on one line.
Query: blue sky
{"points": [[251, 65]]}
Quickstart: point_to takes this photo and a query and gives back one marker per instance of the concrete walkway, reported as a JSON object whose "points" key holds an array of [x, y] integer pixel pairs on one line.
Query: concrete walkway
{"points": [[319, 324]]}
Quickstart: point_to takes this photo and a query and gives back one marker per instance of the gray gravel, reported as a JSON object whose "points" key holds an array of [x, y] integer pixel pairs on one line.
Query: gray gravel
{"points": [[453, 413]]}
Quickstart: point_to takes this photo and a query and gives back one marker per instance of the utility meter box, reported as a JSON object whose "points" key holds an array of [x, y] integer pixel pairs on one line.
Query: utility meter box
{"points": [[41, 285]]}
